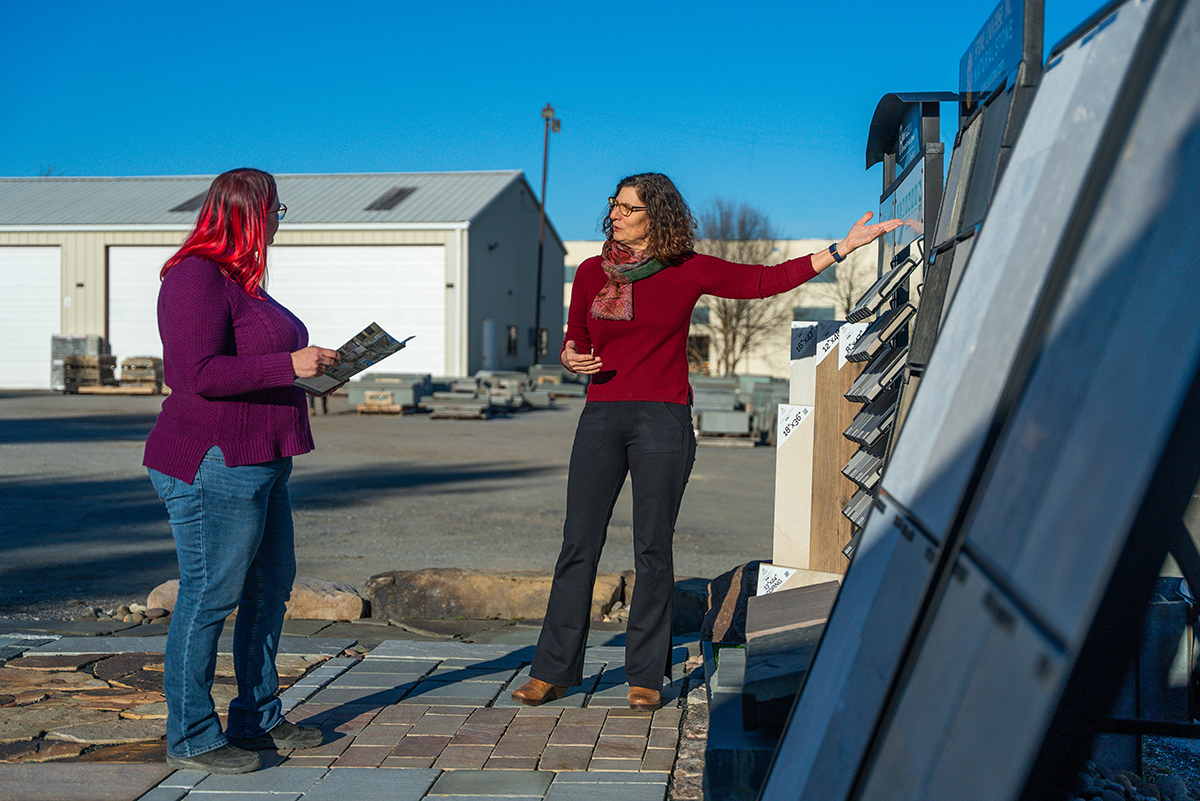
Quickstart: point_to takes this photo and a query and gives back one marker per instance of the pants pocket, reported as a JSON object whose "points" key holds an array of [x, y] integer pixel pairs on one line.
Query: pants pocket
{"points": [[663, 427], [163, 484], [593, 421]]}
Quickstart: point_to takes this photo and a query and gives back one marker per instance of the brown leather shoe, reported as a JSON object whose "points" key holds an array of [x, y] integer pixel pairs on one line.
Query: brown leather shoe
{"points": [[536, 692], [644, 698]]}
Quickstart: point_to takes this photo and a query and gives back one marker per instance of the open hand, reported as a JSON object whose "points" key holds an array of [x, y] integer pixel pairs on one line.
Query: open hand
{"points": [[313, 361], [863, 234], [578, 362]]}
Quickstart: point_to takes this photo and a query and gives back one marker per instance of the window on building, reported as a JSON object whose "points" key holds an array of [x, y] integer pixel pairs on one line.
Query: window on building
{"points": [[512, 340], [700, 315], [813, 313]]}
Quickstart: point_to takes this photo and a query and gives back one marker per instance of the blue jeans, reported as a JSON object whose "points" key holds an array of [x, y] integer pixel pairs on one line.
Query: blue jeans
{"points": [[234, 539]]}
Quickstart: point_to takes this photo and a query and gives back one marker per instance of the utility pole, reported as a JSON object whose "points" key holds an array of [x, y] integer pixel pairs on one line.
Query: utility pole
{"points": [[555, 124]]}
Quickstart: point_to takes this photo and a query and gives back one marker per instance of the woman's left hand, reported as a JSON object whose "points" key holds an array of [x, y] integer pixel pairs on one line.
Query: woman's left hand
{"points": [[863, 234]]}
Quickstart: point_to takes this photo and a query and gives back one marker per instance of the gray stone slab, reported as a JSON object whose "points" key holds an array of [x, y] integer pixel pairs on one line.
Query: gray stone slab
{"points": [[341, 784], [496, 783], [485, 691], [380, 696], [299, 645], [611, 776], [354, 679], [498, 655], [78, 781], [607, 792], [518, 636], [80, 628], [373, 664], [234, 795], [453, 673], [164, 794], [304, 628], [110, 645], [272, 780]]}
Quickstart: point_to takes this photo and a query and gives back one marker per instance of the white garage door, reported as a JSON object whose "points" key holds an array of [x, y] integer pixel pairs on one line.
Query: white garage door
{"points": [[133, 300], [29, 314], [339, 289]]}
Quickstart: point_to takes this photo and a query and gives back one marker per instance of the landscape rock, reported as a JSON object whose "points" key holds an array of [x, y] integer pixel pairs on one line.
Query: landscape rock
{"points": [[691, 601], [39, 751], [474, 594], [312, 599], [110, 732], [20, 723]]}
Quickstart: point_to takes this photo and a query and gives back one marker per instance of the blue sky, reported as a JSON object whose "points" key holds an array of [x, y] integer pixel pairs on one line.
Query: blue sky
{"points": [[764, 103]]}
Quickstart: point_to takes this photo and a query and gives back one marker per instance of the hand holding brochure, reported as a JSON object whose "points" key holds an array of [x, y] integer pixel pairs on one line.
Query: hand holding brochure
{"points": [[368, 347]]}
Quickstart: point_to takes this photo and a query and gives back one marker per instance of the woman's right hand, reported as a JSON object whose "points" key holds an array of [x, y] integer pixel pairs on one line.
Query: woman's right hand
{"points": [[578, 362], [313, 361]]}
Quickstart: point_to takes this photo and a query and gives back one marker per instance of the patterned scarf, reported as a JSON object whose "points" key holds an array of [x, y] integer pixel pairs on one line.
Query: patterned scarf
{"points": [[623, 266]]}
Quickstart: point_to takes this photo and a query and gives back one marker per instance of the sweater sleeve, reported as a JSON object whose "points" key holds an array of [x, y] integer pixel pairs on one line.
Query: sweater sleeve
{"points": [[577, 313], [196, 322], [728, 280]]}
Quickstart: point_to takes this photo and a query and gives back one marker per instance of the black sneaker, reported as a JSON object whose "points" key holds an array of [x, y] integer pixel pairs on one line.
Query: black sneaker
{"points": [[226, 759], [284, 736]]}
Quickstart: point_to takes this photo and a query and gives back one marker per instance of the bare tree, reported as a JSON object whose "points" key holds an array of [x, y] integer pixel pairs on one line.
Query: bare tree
{"points": [[744, 235], [853, 278]]}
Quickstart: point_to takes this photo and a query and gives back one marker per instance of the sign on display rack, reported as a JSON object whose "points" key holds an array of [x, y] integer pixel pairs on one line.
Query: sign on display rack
{"points": [[994, 53]]}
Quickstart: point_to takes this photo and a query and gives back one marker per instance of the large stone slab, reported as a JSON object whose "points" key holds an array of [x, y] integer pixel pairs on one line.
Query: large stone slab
{"points": [[20, 723], [474, 594], [312, 599], [79, 782], [110, 732]]}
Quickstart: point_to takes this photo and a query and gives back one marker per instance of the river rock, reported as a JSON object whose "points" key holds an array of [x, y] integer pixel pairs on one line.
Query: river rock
{"points": [[312, 599], [474, 594]]}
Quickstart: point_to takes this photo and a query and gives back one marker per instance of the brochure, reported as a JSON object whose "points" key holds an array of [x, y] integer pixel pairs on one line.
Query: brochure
{"points": [[368, 347]]}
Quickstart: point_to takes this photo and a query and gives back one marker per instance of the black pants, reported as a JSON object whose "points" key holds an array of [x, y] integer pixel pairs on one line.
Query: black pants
{"points": [[654, 444]]}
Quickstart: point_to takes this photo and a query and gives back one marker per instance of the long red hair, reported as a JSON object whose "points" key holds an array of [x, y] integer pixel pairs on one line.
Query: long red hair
{"points": [[232, 227]]}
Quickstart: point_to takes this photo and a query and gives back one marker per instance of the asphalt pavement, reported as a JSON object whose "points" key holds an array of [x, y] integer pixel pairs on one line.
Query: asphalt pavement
{"points": [[79, 522]]}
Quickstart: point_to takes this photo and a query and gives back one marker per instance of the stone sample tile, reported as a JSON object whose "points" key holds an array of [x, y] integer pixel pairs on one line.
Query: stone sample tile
{"points": [[407, 762], [127, 753], [363, 756], [565, 757], [509, 783], [617, 724], [282, 779], [400, 714], [658, 759], [426, 746], [613, 764], [663, 738], [379, 734], [520, 745], [471, 734], [370, 785], [439, 724], [612, 746], [39, 751], [574, 735], [511, 763], [78, 782], [463, 757], [492, 717], [21, 723], [114, 645], [374, 696], [65, 662]]}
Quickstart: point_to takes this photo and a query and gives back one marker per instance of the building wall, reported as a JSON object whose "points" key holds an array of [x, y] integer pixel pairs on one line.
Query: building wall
{"points": [[504, 254]]}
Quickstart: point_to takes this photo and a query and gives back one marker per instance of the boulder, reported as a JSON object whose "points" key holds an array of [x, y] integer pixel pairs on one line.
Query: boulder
{"points": [[691, 601], [474, 594], [312, 599]]}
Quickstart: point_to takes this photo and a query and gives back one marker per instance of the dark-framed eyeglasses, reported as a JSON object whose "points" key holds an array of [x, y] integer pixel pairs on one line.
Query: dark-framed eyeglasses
{"points": [[625, 208], [282, 210]]}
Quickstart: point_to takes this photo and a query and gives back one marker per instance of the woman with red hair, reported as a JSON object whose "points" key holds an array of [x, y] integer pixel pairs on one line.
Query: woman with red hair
{"points": [[219, 456]]}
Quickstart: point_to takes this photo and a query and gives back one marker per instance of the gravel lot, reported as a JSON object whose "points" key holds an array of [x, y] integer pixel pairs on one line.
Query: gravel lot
{"points": [[80, 523]]}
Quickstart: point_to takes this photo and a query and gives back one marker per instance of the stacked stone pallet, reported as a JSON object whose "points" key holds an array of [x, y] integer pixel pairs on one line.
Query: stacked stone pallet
{"points": [[88, 371], [142, 371]]}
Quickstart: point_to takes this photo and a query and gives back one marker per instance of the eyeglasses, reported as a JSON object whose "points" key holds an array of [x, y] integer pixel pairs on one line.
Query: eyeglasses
{"points": [[282, 210], [625, 208]]}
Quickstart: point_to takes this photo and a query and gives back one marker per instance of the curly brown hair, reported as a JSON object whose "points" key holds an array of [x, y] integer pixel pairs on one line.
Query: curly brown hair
{"points": [[672, 226]]}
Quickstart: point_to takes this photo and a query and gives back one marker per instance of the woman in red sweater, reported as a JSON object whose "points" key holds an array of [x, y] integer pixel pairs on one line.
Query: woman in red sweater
{"points": [[627, 328]]}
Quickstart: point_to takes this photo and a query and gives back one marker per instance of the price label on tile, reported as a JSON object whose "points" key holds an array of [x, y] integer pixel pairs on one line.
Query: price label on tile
{"points": [[850, 334], [827, 339], [790, 418]]}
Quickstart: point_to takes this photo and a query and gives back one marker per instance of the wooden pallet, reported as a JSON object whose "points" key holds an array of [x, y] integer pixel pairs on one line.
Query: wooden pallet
{"points": [[129, 389], [380, 408]]}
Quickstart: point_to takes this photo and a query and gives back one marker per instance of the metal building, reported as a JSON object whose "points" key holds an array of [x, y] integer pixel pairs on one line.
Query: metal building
{"points": [[448, 257]]}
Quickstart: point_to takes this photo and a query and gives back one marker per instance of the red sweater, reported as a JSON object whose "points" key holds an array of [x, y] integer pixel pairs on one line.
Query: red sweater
{"points": [[645, 359], [228, 361]]}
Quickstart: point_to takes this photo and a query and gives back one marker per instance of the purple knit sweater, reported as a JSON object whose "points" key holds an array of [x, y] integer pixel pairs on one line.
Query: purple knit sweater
{"points": [[227, 359]]}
